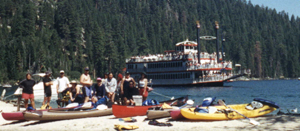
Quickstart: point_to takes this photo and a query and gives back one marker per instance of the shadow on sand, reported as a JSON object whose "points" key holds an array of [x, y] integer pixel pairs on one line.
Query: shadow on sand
{"points": [[38, 122], [14, 122]]}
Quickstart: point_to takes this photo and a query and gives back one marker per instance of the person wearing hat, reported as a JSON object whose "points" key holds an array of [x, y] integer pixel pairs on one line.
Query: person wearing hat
{"points": [[125, 86], [143, 86], [75, 93], [86, 82], [99, 89], [62, 85], [47, 88], [27, 92]]}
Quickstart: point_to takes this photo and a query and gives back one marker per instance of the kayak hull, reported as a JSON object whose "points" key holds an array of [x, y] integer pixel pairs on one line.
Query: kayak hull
{"points": [[64, 115], [121, 111], [176, 115], [156, 114], [11, 116], [189, 113]]}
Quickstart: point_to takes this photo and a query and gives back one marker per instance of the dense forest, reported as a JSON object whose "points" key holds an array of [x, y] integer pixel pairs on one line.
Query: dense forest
{"points": [[39, 35]]}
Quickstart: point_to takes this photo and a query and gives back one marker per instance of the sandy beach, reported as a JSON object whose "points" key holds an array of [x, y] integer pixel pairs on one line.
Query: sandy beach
{"points": [[107, 123]]}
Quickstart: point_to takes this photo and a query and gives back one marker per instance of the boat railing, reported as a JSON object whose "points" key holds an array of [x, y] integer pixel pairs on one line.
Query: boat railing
{"points": [[215, 77], [208, 66], [165, 69]]}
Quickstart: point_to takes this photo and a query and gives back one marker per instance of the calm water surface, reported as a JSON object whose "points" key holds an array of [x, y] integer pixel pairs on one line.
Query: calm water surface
{"points": [[284, 92]]}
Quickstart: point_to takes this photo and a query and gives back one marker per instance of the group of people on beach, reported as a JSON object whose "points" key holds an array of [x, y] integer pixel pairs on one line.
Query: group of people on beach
{"points": [[107, 89]]}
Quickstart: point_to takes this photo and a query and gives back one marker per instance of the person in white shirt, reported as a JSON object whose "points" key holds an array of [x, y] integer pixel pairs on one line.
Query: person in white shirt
{"points": [[62, 85], [110, 86]]}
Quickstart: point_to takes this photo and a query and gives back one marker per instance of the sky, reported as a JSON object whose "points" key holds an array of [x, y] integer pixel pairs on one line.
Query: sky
{"points": [[289, 6]]}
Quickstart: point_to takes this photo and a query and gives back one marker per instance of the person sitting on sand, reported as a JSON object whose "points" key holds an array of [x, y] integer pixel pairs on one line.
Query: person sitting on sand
{"points": [[131, 91], [86, 82], [99, 89], [125, 86], [110, 86], [75, 93], [27, 92], [96, 101]]}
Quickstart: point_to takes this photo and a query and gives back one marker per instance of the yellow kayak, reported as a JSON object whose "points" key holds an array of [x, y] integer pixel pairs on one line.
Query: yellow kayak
{"points": [[224, 113]]}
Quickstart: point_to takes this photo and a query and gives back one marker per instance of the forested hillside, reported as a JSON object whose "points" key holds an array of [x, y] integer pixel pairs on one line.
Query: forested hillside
{"points": [[39, 35]]}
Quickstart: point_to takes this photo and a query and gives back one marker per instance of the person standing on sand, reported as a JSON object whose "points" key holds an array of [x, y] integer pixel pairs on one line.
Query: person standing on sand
{"points": [[110, 86], [47, 88], [62, 85], [105, 78], [143, 86], [118, 95], [86, 82], [27, 92]]}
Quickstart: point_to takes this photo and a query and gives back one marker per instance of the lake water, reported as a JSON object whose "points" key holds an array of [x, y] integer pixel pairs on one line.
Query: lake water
{"points": [[286, 93]]}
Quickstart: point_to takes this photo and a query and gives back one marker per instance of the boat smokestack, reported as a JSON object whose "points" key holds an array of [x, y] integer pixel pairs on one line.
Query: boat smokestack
{"points": [[198, 41], [217, 40], [223, 41]]}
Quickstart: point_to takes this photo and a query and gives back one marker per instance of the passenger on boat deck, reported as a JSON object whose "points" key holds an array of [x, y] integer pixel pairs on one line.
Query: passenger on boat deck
{"points": [[143, 89], [27, 92], [99, 89], [75, 93], [62, 85], [86, 82], [47, 88], [125, 87], [110, 86]]}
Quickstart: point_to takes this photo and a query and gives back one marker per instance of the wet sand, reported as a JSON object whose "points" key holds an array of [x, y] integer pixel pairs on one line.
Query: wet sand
{"points": [[107, 123]]}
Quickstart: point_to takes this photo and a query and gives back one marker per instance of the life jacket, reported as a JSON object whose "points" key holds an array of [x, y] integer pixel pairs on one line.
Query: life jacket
{"points": [[201, 110], [150, 102], [46, 106], [208, 101]]}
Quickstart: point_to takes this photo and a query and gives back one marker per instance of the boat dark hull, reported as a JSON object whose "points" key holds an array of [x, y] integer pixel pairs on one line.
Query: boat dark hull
{"points": [[200, 84]]}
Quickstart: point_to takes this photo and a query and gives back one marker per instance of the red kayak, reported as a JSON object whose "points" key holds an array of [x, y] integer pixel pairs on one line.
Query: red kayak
{"points": [[10, 116], [176, 115], [121, 111]]}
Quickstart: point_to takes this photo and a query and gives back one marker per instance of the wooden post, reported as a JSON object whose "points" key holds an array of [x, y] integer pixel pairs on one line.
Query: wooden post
{"points": [[19, 101], [18, 93], [3, 93]]}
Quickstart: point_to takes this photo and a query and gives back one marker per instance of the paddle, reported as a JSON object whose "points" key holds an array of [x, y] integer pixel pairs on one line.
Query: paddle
{"points": [[253, 122]]}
